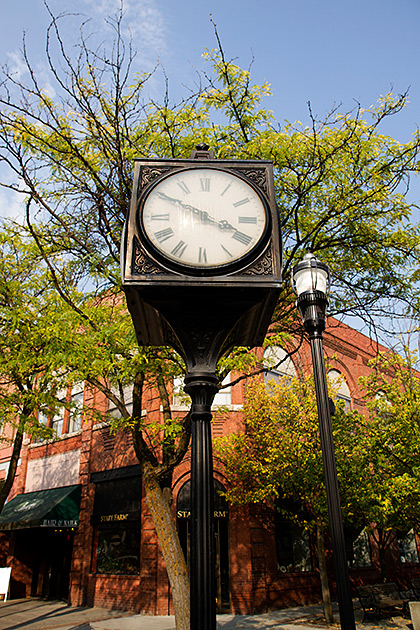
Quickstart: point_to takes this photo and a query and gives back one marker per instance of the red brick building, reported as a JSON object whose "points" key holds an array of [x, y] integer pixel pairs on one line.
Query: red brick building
{"points": [[78, 527]]}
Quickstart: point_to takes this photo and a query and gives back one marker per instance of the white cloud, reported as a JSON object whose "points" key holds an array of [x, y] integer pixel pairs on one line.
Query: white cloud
{"points": [[143, 21], [16, 64], [12, 205]]}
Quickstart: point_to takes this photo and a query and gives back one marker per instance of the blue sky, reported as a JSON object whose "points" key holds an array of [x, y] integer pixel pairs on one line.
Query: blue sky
{"points": [[330, 52], [326, 52]]}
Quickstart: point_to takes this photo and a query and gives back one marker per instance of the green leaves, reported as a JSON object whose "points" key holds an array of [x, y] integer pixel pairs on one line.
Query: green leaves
{"points": [[377, 458], [29, 309]]}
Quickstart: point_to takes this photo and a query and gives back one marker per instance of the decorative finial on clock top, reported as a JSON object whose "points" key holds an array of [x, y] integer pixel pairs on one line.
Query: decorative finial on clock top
{"points": [[202, 152]]}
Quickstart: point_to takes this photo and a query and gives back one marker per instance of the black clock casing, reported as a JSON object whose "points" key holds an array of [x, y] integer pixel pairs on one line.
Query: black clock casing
{"points": [[155, 277]]}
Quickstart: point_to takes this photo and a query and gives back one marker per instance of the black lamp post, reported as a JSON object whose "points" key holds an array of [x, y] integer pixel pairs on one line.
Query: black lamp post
{"points": [[311, 280]]}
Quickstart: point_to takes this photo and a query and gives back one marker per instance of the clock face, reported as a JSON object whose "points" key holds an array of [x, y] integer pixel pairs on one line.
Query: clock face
{"points": [[203, 218]]}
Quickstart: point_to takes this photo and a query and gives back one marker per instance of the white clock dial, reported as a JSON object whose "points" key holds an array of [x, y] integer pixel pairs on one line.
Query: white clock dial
{"points": [[203, 218]]}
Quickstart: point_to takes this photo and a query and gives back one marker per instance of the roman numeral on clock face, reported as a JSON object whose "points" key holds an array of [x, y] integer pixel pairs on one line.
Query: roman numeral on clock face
{"points": [[205, 184], [226, 251], [202, 255], [241, 202], [247, 219], [242, 238], [160, 217], [163, 235], [183, 186], [225, 190], [179, 249]]}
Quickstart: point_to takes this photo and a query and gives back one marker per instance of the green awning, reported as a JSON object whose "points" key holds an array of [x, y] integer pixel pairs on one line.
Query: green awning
{"points": [[56, 507]]}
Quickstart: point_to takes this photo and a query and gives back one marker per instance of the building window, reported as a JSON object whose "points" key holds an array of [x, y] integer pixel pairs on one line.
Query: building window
{"points": [[68, 415], [57, 422], [292, 546], [223, 397], [342, 391], [357, 548], [43, 421], [407, 547], [116, 521], [278, 364], [118, 549], [125, 396], [76, 406]]}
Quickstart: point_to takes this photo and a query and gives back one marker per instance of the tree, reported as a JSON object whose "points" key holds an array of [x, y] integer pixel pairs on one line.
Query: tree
{"points": [[277, 459], [100, 348], [48, 342], [29, 380], [393, 398], [340, 183], [278, 456], [70, 155]]}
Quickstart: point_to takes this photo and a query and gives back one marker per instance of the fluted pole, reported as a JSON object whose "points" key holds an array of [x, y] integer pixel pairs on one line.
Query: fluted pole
{"points": [[202, 389]]}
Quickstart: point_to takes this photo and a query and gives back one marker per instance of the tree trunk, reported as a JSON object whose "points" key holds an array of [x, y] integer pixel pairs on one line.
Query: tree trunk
{"points": [[326, 595], [171, 548], [384, 541]]}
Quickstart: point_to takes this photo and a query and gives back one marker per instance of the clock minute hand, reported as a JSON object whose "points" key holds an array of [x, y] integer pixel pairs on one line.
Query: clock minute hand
{"points": [[167, 198], [202, 215]]}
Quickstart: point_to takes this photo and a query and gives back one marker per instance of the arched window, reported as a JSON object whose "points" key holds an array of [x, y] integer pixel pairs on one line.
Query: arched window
{"points": [[342, 389], [357, 547], [407, 546], [277, 364]]}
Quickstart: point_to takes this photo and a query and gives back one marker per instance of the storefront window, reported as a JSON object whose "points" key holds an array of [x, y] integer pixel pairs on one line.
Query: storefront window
{"points": [[117, 520], [118, 550], [357, 548], [407, 547], [293, 547]]}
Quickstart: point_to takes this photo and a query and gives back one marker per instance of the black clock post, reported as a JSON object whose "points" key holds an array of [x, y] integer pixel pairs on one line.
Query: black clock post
{"points": [[201, 265]]}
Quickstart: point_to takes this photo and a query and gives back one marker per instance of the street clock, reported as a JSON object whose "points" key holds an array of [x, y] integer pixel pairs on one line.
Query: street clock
{"points": [[203, 224], [201, 270]]}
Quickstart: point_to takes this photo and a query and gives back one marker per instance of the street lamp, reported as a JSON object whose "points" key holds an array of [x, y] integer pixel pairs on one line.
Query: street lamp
{"points": [[311, 280]]}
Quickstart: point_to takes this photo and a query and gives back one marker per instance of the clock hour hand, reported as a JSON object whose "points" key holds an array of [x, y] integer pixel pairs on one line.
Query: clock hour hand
{"points": [[202, 215], [225, 225]]}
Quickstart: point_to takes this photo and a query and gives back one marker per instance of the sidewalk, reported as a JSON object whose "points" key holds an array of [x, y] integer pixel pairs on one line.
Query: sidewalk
{"points": [[37, 614]]}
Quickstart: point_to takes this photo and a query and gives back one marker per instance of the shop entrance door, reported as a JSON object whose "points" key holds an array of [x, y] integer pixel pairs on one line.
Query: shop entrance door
{"points": [[51, 574], [221, 532]]}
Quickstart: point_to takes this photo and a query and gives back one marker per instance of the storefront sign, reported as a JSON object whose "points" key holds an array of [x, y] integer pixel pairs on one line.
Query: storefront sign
{"points": [[4, 582], [59, 523], [217, 514], [111, 518]]}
